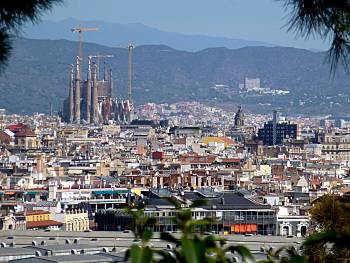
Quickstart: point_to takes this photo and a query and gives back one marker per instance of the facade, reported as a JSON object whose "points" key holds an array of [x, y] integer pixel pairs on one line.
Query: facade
{"points": [[335, 145], [38, 215], [26, 138], [275, 134], [112, 220], [232, 212], [13, 222], [76, 220], [291, 223]]}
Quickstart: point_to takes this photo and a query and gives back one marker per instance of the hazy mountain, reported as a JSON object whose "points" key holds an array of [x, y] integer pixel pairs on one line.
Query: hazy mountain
{"points": [[114, 35], [37, 76]]}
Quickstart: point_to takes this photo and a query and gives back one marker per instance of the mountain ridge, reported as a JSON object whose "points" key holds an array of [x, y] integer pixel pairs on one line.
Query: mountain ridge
{"points": [[116, 34], [37, 76]]}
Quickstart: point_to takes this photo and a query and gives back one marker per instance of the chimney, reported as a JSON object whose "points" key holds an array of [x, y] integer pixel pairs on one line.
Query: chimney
{"points": [[77, 92], [94, 97], [88, 93], [71, 95]]}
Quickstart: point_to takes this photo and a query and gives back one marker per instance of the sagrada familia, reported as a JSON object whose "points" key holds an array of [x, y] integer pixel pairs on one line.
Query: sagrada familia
{"points": [[92, 100]]}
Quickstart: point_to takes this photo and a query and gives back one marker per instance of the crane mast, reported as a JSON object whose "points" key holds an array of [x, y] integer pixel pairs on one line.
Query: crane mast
{"points": [[130, 68], [80, 29]]}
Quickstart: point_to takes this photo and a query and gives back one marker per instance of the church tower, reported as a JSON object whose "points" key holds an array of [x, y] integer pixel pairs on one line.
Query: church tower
{"points": [[239, 118]]}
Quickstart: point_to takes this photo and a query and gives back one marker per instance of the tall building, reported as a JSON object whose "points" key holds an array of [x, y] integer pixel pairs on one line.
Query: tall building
{"points": [[275, 131]]}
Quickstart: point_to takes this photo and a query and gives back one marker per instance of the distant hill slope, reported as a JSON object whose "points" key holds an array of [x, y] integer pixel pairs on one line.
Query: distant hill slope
{"points": [[37, 75], [114, 35]]}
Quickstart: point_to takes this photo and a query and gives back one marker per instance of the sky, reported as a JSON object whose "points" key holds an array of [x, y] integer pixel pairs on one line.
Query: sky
{"points": [[261, 20]]}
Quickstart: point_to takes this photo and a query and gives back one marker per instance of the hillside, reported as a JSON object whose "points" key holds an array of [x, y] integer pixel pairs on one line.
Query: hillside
{"points": [[37, 75]]}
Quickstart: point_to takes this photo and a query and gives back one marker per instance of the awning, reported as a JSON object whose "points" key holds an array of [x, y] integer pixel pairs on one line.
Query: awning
{"points": [[121, 191], [104, 192], [9, 193], [110, 192], [32, 193]]}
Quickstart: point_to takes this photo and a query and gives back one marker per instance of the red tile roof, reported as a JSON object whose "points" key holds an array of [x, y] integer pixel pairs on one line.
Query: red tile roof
{"points": [[26, 132], [16, 127], [44, 223]]}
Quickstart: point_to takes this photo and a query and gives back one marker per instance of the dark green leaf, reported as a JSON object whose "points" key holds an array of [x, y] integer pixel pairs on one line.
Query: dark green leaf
{"points": [[146, 235], [193, 251], [141, 254], [169, 237]]}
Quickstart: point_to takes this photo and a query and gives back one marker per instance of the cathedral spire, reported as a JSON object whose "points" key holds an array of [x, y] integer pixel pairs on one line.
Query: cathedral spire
{"points": [[77, 92], [88, 93], [94, 110], [71, 94]]}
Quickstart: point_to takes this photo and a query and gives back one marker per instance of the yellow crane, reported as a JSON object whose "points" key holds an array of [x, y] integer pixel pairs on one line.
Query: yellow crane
{"points": [[80, 29]]}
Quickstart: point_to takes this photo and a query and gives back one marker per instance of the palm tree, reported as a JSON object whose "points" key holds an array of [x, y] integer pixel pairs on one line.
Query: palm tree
{"points": [[329, 19]]}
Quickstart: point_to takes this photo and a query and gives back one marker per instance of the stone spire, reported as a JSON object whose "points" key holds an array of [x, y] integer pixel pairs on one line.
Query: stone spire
{"points": [[77, 92], [71, 94], [88, 93], [94, 112]]}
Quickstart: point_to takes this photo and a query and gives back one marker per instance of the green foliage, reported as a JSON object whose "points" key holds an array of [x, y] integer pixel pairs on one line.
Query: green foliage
{"points": [[329, 19], [15, 13], [141, 254], [331, 214], [330, 241], [141, 225]]}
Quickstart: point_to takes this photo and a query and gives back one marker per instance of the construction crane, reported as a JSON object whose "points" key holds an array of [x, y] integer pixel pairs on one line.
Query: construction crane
{"points": [[98, 57], [80, 29], [130, 51]]}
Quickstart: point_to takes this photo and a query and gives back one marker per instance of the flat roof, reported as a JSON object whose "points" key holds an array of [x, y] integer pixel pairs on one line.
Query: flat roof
{"points": [[66, 259], [10, 251], [64, 247]]}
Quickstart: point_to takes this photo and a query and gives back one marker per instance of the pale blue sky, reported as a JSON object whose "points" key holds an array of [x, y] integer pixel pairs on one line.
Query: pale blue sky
{"points": [[262, 20]]}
